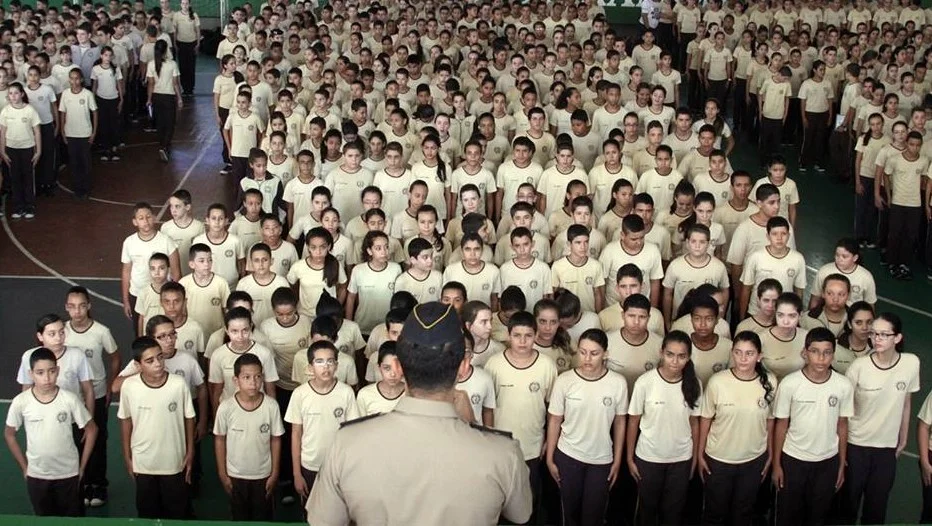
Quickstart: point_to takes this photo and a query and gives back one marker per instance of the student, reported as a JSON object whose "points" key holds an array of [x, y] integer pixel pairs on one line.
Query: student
{"points": [[383, 395], [854, 340], [258, 178], [241, 132], [225, 96], [320, 201], [247, 440], [420, 279], [551, 338], [94, 338], [469, 199], [162, 87], [183, 227], [20, 150], [227, 248], [868, 146], [523, 379], [810, 436], [107, 87], [833, 312], [137, 249], [752, 234], [710, 351], [559, 221], [71, 362], [579, 273], [734, 209], [472, 172], [190, 333], [247, 225], [773, 101], [735, 430], [847, 262], [525, 270], [298, 194], [781, 343], [477, 384], [663, 427], [925, 466], [631, 248], [369, 278], [206, 291], [43, 99], [238, 323], [633, 348], [554, 180], [480, 278], [317, 272], [52, 465], [697, 266], [315, 412], [78, 110], [816, 96], [619, 203], [261, 284], [768, 291], [347, 179], [789, 193], [628, 281], [660, 181], [777, 259], [586, 431], [877, 433], [901, 178]]}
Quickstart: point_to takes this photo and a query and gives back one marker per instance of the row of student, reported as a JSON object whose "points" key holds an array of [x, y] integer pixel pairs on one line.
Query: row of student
{"points": [[876, 431]]}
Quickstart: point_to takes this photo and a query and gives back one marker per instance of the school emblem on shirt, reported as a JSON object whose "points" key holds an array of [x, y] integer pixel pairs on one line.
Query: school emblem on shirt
{"points": [[475, 398], [302, 342], [215, 302], [762, 402], [188, 345], [901, 386], [497, 149], [718, 367], [432, 290], [791, 272], [832, 401], [264, 428], [607, 401], [41, 98], [228, 253], [589, 280], [70, 376], [856, 289], [250, 127], [25, 120], [405, 191], [533, 387], [482, 186], [338, 412], [62, 416], [438, 179], [648, 366], [179, 372], [591, 147], [529, 180], [89, 353], [81, 102], [485, 286], [561, 362], [286, 263], [172, 407]]}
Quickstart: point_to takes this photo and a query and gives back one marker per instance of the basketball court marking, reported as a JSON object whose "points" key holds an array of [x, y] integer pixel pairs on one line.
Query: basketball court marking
{"points": [[74, 278], [188, 173]]}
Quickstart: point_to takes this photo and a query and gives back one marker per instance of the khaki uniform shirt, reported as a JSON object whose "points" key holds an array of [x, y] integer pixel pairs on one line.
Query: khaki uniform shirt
{"points": [[375, 472]]}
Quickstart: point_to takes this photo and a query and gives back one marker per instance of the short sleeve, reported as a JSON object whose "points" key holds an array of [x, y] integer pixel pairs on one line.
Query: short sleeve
{"points": [[709, 400], [925, 412], [293, 412], [123, 412], [275, 414], [216, 372], [79, 413], [557, 397], [325, 505], [220, 421], [14, 415], [188, 402], [636, 405], [847, 403], [22, 376]]}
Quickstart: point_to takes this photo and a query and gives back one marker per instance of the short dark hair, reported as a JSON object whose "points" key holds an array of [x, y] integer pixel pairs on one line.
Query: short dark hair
{"points": [[41, 354], [244, 360], [141, 345]]}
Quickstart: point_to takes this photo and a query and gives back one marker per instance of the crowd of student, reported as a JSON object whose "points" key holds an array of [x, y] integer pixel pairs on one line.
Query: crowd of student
{"points": [[633, 303]]}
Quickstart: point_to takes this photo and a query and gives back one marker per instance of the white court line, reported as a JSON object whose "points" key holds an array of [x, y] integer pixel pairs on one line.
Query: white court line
{"points": [[187, 174], [98, 200], [895, 303], [50, 270], [75, 278]]}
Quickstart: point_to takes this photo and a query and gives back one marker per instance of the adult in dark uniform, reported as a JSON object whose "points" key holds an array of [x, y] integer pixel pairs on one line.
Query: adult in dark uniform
{"points": [[421, 464]]}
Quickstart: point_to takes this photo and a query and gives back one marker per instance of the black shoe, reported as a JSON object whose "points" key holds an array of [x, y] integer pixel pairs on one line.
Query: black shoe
{"points": [[98, 496]]}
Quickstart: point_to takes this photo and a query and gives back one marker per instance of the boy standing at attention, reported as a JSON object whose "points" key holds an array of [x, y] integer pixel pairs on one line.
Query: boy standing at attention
{"points": [[183, 227], [148, 303], [247, 438], [51, 464], [157, 424], [137, 248], [206, 292], [231, 256]]}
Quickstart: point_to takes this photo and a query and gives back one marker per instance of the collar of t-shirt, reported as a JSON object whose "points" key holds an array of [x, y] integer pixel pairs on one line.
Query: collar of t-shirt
{"points": [[422, 407]]}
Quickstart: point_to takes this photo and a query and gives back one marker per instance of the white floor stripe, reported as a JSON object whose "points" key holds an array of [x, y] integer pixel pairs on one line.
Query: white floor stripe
{"points": [[188, 173], [75, 278]]}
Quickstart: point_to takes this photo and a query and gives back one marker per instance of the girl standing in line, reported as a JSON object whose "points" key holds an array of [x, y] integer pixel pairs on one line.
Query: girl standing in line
{"points": [[319, 271], [883, 385], [586, 431], [854, 340], [107, 85], [664, 407], [369, 297], [20, 149], [551, 339], [734, 434], [79, 127], [477, 318], [767, 293], [43, 98], [163, 96], [865, 213], [224, 99], [187, 37]]}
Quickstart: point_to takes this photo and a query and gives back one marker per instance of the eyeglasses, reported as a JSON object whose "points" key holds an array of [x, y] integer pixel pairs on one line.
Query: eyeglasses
{"points": [[330, 362], [166, 336], [881, 335]]}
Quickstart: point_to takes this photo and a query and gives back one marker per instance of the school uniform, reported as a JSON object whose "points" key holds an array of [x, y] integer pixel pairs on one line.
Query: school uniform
{"points": [[905, 214], [164, 105], [371, 401], [44, 100], [925, 415], [107, 97], [736, 448], [818, 96], [479, 386], [158, 444], [480, 285], [584, 451], [53, 459], [183, 237], [244, 136], [225, 254], [248, 437], [205, 302], [225, 89], [98, 345], [873, 432], [78, 109], [423, 290], [774, 111], [649, 260], [664, 449], [187, 34], [810, 451], [312, 285], [373, 289], [222, 361], [18, 124], [581, 280]]}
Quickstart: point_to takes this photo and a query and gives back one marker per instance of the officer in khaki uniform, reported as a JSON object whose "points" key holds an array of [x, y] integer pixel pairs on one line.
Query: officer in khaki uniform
{"points": [[409, 467]]}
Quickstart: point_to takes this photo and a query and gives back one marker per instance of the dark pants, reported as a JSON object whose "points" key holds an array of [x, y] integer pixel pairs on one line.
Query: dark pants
{"points": [[96, 472], [187, 59], [685, 39], [622, 499], [808, 489], [79, 162], [283, 397], [868, 480], [741, 108], [46, 170], [240, 168], [161, 496], [730, 491], [22, 178], [771, 134], [661, 492], [904, 232], [753, 124], [793, 128], [694, 91], [224, 113], [926, 516], [55, 498], [165, 109], [718, 90], [108, 129], [534, 467], [865, 213], [249, 501], [665, 38], [309, 478], [814, 139], [583, 490]]}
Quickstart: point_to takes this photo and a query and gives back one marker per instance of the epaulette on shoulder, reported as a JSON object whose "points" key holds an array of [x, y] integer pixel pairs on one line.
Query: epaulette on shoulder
{"points": [[490, 430], [360, 419]]}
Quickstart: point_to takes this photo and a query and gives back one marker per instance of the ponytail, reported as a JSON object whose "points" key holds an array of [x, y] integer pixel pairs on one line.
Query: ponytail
{"points": [[764, 382], [331, 270], [161, 48], [691, 387]]}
